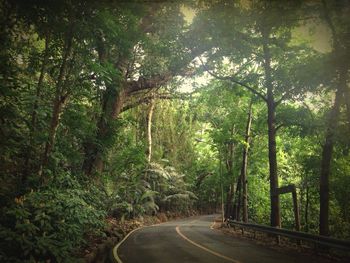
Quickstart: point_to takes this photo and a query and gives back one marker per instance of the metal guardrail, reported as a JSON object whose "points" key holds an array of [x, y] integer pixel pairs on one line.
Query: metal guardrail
{"points": [[316, 239]]}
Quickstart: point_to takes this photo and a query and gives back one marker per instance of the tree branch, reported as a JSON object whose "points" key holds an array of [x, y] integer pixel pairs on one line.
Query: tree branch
{"points": [[284, 96], [156, 81], [148, 99], [144, 84], [229, 78], [279, 127], [330, 23]]}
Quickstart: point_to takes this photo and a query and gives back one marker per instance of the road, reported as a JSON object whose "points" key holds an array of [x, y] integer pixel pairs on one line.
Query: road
{"points": [[194, 240]]}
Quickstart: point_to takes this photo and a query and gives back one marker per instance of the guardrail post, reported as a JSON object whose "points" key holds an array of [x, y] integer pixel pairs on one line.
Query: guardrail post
{"points": [[278, 239], [321, 243]]}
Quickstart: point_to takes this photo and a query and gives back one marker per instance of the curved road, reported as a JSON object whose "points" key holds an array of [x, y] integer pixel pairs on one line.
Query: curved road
{"points": [[193, 240]]}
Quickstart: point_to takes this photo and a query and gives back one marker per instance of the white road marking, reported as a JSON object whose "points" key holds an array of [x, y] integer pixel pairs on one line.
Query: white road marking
{"points": [[204, 248], [115, 249], [212, 225], [118, 259]]}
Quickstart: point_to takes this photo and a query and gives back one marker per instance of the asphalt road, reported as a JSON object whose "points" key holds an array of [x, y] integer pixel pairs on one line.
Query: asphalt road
{"points": [[193, 240]]}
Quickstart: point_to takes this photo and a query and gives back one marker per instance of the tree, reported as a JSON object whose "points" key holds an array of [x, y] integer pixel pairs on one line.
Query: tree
{"points": [[150, 36], [245, 164], [340, 49], [262, 45]]}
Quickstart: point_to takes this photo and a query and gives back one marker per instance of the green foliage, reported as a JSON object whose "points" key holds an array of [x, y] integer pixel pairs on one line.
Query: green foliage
{"points": [[86, 109], [258, 200], [173, 193], [50, 223], [155, 188], [134, 198]]}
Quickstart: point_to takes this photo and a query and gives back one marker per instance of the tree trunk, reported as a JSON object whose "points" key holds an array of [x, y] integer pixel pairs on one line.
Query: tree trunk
{"points": [[306, 204], [229, 199], [327, 151], [275, 219], [230, 172], [117, 105], [112, 104], [149, 130], [306, 216], [40, 84], [245, 164], [237, 200], [58, 104], [347, 103], [35, 109]]}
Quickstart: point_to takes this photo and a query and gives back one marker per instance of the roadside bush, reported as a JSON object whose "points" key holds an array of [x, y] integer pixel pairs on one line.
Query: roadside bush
{"points": [[50, 223]]}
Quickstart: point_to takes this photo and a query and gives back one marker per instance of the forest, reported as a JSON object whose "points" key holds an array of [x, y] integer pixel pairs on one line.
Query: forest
{"points": [[127, 109]]}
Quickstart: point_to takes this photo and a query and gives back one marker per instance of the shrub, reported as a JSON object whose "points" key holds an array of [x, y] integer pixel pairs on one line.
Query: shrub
{"points": [[50, 223]]}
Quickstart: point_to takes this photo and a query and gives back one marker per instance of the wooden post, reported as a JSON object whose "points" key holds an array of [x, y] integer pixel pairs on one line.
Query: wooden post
{"points": [[296, 210], [296, 213], [291, 189]]}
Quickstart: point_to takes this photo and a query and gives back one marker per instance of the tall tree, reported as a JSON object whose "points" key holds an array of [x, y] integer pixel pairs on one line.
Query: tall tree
{"points": [[258, 61], [245, 163], [60, 100], [149, 130], [340, 49], [128, 78]]}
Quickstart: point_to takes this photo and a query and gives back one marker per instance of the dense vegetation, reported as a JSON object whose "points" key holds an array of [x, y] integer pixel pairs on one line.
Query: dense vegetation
{"points": [[125, 109]]}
